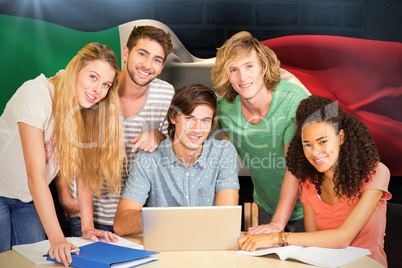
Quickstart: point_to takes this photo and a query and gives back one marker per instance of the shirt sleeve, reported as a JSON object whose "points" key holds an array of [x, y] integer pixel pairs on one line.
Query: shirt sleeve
{"points": [[138, 184], [229, 168], [164, 127], [379, 181], [32, 104]]}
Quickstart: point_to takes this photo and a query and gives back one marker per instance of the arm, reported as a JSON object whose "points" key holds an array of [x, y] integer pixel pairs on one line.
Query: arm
{"points": [[332, 238], [229, 197], [309, 219], [228, 177], [85, 199], [287, 200], [69, 204], [128, 219], [35, 161], [147, 141]]}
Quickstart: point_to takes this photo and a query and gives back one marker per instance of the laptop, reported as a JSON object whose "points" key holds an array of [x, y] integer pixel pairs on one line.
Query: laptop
{"points": [[191, 228]]}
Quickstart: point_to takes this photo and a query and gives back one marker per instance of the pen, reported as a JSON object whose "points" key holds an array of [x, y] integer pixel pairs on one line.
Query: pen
{"points": [[72, 251]]}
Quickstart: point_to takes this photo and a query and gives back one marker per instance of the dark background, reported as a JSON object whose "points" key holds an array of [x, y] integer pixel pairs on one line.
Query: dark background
{"points": [[203, 25]]}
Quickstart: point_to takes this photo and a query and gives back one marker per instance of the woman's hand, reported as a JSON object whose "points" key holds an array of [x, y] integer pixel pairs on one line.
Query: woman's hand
{"points": [[251, 242], [94, 235], [62, 252], [85, 200]]}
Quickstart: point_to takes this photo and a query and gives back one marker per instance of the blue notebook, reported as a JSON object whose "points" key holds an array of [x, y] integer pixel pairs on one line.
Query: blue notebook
{"points": [[100, 254]]}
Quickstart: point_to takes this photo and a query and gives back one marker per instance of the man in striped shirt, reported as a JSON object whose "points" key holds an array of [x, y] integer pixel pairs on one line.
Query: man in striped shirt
{"points": [[144, 101]]}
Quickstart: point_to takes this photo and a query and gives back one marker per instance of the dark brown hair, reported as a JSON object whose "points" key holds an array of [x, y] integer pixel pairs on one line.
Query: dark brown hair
{"points": [[358, 156], [186, 99], [153, 33]]}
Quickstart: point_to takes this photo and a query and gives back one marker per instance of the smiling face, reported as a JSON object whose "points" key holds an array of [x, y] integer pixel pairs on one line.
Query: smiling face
{"points": [[246, 76], [93, 82], [145, 61], [192, 130], [321, 146]]}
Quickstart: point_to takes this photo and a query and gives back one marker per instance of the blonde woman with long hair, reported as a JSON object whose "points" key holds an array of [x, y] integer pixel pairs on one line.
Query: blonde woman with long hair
{"points": [[67, 126]]}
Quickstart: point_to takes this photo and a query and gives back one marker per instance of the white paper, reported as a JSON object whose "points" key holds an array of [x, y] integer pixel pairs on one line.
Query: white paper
{"points": [[324, 257], [133, 263]]}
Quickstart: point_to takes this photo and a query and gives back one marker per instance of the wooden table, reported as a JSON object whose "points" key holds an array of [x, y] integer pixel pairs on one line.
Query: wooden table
{"points": [[195, 259]]}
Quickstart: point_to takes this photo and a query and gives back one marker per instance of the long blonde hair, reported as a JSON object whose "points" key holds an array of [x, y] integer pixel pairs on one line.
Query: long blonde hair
{"points": [[241, 44], [89, 141]]}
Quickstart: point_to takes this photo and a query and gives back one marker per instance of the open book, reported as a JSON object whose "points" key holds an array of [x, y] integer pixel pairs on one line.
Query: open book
{"points": [[324, 257], [35, 251]]}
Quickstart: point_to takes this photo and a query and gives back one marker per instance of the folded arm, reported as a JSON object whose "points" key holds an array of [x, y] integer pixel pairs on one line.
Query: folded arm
{"points": [[128, 219], [229, 197]]}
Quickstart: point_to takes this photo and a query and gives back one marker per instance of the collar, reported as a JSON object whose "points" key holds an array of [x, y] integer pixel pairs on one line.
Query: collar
{"points": [[170, 157]]}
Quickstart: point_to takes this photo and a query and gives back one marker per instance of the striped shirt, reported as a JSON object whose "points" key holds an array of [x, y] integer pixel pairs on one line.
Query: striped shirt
{"points": [[151, 116]]}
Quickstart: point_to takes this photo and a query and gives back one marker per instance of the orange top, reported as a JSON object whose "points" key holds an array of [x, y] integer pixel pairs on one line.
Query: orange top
{"points": [[328, 216]]}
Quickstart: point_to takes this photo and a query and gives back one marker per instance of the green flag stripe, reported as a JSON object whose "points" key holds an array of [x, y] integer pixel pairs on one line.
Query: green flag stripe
{"points": [[30, 47]]}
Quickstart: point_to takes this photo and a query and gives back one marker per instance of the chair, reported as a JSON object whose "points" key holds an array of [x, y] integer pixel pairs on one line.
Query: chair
{"points": [[393, 237], [250, 215]]}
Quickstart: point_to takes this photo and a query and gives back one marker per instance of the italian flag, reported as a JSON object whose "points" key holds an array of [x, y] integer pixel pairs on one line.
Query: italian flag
{"points": [[363, 76]]}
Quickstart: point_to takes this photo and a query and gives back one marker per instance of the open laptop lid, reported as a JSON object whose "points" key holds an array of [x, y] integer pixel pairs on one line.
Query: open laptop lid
{"points": [[191, 228]]}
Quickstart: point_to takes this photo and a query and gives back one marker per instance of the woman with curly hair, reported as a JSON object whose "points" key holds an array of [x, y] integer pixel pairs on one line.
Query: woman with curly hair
{"points": [[344, 186], [68, 126]]}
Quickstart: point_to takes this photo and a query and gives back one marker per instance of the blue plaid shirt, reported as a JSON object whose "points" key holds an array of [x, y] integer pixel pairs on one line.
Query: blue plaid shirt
{"points": [[161, 180]]}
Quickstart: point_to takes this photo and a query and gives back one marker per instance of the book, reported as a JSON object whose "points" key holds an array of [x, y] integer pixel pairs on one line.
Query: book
{"points": [[323, 257], [105, 255], [35, 251]]}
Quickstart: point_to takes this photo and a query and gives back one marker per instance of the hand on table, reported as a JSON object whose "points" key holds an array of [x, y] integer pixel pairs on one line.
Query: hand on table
{"points": [[62, 252], [251, 242], [94, 235]]}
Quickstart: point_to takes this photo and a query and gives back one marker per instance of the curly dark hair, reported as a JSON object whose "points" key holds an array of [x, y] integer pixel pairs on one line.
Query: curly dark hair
{"points": [[358, 156]]}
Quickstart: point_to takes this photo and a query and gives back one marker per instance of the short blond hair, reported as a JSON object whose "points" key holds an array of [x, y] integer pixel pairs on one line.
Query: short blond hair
{"points": [[240, 44]]}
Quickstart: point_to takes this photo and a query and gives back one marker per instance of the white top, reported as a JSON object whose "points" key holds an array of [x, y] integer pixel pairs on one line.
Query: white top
{"points": [[31, 104]]}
